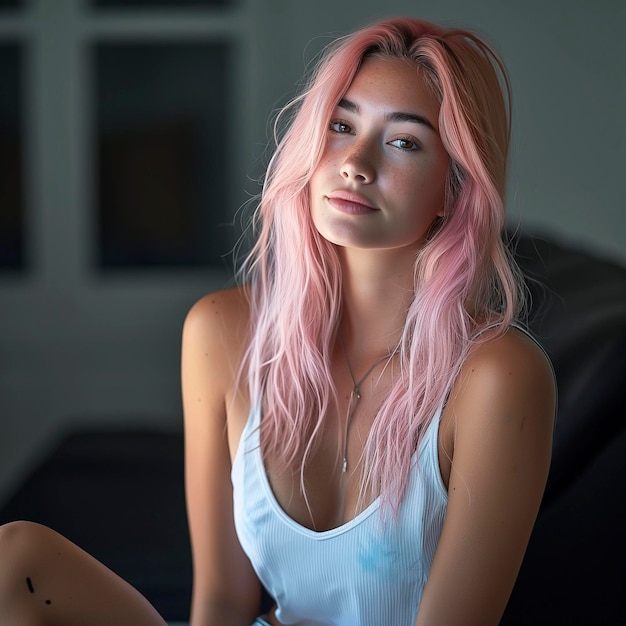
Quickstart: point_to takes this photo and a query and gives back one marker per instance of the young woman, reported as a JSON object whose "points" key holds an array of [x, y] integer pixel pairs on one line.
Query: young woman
{"points": [[368, 428]]}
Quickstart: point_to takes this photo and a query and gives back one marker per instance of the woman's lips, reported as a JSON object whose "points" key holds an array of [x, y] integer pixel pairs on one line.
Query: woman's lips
{"points": [[350, 202]]}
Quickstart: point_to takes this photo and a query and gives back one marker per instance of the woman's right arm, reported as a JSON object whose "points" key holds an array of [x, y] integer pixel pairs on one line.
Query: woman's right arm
{"points": [[226, 590]]}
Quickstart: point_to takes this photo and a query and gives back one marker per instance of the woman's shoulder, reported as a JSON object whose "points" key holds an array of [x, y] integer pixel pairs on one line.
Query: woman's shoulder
{"points": [[218, 322], [505, 386], [509, 374], [223, 310], [511, 355]]}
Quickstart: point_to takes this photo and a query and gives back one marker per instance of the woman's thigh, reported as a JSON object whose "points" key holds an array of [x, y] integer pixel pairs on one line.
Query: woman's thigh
{"points": [[44, 578]]}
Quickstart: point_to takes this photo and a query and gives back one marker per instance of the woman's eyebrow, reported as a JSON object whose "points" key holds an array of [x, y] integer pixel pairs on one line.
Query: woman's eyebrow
{"points": [[400, 116], [348, 105], [394, 116]]}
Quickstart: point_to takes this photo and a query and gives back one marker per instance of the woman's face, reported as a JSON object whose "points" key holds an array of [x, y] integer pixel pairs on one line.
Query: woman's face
{"points": [[381, 180]]}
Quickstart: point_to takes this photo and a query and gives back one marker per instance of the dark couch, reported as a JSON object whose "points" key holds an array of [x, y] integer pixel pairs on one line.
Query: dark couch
{"points": [[119, 494], [574, 571]]}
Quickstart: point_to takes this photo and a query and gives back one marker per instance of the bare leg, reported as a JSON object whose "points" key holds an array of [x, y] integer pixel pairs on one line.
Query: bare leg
{"points": [[46, 579]]}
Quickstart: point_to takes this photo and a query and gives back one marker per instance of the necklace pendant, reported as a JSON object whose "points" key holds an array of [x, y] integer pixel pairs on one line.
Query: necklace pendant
{"points": [[356, 393], [344, 469]]}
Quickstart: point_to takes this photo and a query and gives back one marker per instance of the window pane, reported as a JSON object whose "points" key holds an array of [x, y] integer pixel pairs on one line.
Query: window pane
{"points": [[10, 4], [158, 4], [163, 154], [11, 172]]}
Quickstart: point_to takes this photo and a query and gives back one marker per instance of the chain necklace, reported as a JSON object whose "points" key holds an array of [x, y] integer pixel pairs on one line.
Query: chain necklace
{"points": [[355, 395]]}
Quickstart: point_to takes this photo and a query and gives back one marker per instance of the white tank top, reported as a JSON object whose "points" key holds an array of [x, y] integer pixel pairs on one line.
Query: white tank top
{"points": [[367, 572]]}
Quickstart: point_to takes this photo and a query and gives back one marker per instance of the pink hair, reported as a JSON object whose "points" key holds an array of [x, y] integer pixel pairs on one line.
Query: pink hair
{"points": [[465, 280]]}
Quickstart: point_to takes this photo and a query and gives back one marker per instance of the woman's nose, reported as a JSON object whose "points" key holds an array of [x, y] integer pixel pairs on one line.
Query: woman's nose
{"points": [[358, 165]]}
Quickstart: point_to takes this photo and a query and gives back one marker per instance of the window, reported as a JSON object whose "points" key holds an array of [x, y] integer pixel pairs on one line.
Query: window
{"points": [[10, 4], [164, 137], [11, 162], [160, 4]]}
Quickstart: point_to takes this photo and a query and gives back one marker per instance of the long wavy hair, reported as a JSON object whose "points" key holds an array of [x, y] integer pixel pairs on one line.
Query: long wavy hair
{"points": [[466, 286]]}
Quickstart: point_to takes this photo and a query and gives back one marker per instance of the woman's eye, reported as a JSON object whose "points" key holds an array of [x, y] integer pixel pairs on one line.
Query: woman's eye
{"points": [[404, 143], [339, 127]]}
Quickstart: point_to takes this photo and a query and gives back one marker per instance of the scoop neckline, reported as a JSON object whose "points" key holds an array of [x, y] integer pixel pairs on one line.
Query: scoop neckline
{"points": [[282, 514]]}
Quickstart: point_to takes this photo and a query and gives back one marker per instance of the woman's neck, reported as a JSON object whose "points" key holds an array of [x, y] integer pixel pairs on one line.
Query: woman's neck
{"points": [[378, 289]]}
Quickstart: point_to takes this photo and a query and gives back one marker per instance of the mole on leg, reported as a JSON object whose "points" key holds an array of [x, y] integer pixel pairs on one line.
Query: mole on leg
{"points": [[31, 588], [44, 576]]}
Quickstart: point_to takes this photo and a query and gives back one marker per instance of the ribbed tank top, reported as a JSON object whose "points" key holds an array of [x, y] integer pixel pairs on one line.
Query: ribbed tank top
{"points": [[370, 571]]}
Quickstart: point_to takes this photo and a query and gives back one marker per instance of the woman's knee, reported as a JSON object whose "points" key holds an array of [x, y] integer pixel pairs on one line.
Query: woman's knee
{"points": [[44, 574], [19, 544], [20, 539]]}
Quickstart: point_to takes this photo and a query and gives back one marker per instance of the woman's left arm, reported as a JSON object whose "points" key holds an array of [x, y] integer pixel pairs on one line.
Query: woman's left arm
{"points": [[501, 412]]}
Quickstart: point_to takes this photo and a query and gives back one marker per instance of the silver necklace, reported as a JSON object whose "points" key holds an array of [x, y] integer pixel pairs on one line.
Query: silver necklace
{"points": [[355, 395]]}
